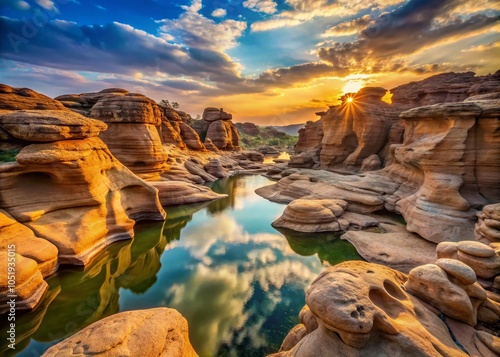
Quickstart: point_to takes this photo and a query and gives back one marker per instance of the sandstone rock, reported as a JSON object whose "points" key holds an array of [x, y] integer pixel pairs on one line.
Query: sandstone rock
{"points": [[197, 169], [209, 145], [132, 135], [49, 125], [459, 301], [29, 284], [76, 195], [214, 114], [181, 193], [248, 129], [296, 334], [27, 244], [148, 333], [83, 103], [310, 137], [371, 163], [458, 270], [128, 108], [476, 255], [223, 135], [313, 216], [190, 137], [215, 168], [26, 99], [169, 135], [391, 249], [362, 310], [487, 228]]}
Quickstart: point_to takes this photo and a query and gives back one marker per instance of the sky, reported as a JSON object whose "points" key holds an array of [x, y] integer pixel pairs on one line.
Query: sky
{"points": [[272, 62]]}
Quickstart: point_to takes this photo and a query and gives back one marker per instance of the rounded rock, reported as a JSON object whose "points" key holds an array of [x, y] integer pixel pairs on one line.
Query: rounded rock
{"points": [[458, 270]]}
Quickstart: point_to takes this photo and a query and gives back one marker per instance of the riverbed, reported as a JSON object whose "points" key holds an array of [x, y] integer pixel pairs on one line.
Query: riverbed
{"points": [[239, 282]]}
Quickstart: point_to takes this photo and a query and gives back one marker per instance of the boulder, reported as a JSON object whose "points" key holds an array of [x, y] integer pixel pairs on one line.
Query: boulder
{"points": [[487, 228], [214, 114], [371, 163], [148, 333], [361, 309], [29, 286], [223, 135], [26, 99], [209, 145], [215, 168], [49, 125], [76, 195], [170, 134], [196, 169], [310, 137], [132, 134], [190, 137]]}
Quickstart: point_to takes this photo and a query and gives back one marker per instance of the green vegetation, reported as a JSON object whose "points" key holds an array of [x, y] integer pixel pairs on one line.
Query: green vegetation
{"points": [[268, 136], [8, 155]]}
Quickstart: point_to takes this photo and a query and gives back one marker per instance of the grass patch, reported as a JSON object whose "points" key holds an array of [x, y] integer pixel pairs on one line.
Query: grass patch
{"points": [[8, 155]]}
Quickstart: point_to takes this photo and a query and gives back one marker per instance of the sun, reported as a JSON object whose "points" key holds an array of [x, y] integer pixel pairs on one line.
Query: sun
{"points": [[350, 100], [353, 86]]}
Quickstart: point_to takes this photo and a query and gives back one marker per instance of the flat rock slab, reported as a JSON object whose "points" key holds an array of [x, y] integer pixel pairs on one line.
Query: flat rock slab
{"points": [[402, 250]]}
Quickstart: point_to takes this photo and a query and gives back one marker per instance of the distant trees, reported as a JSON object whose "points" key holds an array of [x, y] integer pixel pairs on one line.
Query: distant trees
{"points": [[168, 104]]}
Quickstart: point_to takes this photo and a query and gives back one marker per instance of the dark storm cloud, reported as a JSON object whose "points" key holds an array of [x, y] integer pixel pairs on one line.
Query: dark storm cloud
{"points": [[402, 32]]}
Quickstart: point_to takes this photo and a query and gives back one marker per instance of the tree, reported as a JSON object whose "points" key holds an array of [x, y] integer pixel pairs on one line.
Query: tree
{"points": [[165, 103], [175, 105]]}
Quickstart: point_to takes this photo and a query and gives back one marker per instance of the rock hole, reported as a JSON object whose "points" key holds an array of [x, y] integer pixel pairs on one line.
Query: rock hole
{"points": [[394, 290]]}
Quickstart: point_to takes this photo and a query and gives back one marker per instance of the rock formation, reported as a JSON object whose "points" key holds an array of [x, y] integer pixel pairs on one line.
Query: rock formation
{"points": [[216, 125], [181, 193], [487, 229], [83, 103], [308, 145], [148, 333], [27, 99], [132, 134], [448, 163], [326, 215], [364, 309]]}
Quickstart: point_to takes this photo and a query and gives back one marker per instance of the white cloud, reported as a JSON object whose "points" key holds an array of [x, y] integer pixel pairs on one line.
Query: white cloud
{"points": [[47, 5], [197, 31], [265, 6], [23, 5], [274, 24], [219, 13], [101, 7], [347, 28]]}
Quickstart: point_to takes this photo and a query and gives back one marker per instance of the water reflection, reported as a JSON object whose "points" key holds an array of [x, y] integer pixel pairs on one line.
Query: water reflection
{"points": [[239, 283]]}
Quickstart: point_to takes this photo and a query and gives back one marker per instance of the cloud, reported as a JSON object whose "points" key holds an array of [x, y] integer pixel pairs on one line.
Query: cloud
{"points": [[194, 30], [481, 48], [303, 11], [101, 7], [264, 6], [219, 13], [352, 27], [18, 5], [388, 43], [47, 5]]}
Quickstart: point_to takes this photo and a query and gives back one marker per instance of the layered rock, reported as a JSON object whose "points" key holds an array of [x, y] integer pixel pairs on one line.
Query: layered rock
{"points": [[25, 284], [73, 192], [355, 130], [364, 309], [326, 215], [217, 129], [215, 114], [151, 332], [27, 244], [487, 228], [27, 99], [132, 134], [190, 137], [84, 102]]}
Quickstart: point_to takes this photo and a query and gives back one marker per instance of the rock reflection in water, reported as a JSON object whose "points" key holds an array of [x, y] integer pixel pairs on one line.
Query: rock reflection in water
{"points": [[238, 282]]}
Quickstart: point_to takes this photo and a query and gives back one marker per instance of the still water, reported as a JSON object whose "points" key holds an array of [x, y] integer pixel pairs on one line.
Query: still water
{"points": [[238, 281]]}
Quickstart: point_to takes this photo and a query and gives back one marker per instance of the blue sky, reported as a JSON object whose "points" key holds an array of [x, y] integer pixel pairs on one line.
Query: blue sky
{"points": [[267, 61]]}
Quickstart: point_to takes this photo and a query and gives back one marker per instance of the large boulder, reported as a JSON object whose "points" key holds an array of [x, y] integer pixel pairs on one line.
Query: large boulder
{"points": [[26, 99], [147, 333], [487, 228], [172, 193], [223, 135], [190, 137], [83, 103], [214, 114], [132, 134], [76, 195], [361, 309]]}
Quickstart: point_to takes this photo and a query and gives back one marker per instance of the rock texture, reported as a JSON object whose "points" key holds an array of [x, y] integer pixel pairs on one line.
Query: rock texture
{"points": [[355, 130], [74, 193], [26, 99], [29, 284], [148, 333], [132, 134], [83, 103], [217, 130], [27, 244], [361, 309], [215, 114], [487, 229], [326, 215]]}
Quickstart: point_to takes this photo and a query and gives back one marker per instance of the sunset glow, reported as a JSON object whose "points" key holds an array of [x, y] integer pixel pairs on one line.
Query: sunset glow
{"points": [[291, 57]]}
